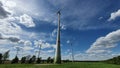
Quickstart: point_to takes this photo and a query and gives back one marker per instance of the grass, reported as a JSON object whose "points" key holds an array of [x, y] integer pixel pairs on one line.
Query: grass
{"points": [[65, 65]]}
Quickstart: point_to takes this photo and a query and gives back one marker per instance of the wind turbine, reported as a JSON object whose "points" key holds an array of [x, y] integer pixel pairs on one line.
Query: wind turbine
{"points": [[71, 49], [17, 50], [72, 52], [35, 53], [39, 50], [39, 45], [58, 51]]}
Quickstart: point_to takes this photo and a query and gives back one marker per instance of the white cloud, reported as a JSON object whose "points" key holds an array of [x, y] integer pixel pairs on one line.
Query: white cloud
{"points": [[44, 44], [50, 51], [114, 15], [68, 41], [63, 27], [10, 4], [8, 27], [47, 45], [93, 57], [4, 42], [26, 48], [37, 43], [3, 12], [9, 38], [33, 35], [27, 20], [12, 31], [105, 44], [89, 56], [22, 7], [27, 43], [54, 33]]}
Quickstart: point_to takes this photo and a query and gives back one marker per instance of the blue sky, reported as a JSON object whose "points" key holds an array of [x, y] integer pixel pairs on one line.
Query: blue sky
{"points": [[92, 26]]}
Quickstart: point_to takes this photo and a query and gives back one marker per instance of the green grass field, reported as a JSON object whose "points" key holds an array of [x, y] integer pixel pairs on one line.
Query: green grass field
{"points": [[65, 65]]}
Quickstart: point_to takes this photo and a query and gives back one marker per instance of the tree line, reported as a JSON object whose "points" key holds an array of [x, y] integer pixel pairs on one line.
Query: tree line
{"points": [[24, 60], [114, 60], [31, 60]]}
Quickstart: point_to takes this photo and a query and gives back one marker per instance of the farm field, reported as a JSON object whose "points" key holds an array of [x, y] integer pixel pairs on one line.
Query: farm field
{"points": [[64, 65]]}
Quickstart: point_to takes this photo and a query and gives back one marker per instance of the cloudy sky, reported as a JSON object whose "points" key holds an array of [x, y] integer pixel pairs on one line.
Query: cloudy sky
{"points": [[92, 26]]}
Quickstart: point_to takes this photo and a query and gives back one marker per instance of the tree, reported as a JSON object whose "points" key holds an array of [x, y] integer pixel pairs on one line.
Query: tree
{"points": [[30, 60], [114, 60], [33, 58], [23, 60], [38, 60], [51, 60], [6, 56], [1, 58], [118, 59], [67, 60], [15, 60], [48, 59]]}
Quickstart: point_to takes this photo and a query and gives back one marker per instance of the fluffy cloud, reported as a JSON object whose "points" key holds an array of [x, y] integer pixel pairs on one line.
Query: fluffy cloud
{"points": [[114, 15], [104, 44], [27, 20], [3, 12], [93, 57], [27, 43], [37, 43], [88, 56], [13, 39], [8, 27], [28, 48], [44, 44], [12, 36], [47, 45], [10, 4], [54, 33], [9, 38]]}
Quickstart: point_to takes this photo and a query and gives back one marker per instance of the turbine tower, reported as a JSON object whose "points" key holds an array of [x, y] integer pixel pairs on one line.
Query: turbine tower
{"points": [[58, 51], [39, 50]]}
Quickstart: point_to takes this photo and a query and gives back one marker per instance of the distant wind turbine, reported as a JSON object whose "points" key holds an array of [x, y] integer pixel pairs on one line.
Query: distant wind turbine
{"points": [[71, 49], [39, 49]]}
